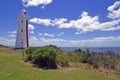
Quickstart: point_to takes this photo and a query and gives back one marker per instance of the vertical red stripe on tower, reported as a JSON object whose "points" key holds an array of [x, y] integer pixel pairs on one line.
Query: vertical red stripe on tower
{"points": [[27, 34]]}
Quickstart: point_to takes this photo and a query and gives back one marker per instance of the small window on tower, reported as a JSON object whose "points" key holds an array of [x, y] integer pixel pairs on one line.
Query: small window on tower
{"points": [[21, 21], [21, 30], [21, 42]]}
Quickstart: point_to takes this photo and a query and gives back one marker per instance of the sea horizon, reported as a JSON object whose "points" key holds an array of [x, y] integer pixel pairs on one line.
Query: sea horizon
{"points": [[94, 49], [104, 49]]}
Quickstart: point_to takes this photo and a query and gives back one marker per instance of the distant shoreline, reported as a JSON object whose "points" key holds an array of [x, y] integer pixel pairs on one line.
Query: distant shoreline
{"points": [[93, 49]]}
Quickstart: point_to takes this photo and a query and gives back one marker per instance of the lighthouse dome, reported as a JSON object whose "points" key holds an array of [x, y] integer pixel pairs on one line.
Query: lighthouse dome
{"points": [[23, 12]]}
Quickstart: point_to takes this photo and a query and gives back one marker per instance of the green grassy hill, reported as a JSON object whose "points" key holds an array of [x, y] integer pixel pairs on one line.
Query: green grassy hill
{"points": [[13, 68]]}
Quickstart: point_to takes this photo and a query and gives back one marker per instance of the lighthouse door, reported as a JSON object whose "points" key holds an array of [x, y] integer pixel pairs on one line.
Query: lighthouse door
{"points": [[21, 43]]}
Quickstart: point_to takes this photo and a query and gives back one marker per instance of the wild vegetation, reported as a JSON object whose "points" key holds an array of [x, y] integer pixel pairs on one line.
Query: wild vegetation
{"points": [[52, 57], [12, 66], [46, 57], [107, 60]]}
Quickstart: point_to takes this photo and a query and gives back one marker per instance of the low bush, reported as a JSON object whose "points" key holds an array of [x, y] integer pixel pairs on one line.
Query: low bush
{"points": [[62, 61], [107, 60], [29, 53], [46, 57], [84, 56], [111, 63]]}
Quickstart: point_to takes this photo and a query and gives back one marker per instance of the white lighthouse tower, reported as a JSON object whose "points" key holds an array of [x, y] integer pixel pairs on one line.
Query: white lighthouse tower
{"points": [[22, 31]]}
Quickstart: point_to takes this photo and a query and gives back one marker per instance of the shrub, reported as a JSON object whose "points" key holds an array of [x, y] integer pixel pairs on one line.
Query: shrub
{"points": [[87, 57], [111, 63], [45, 57], [29, 52], [62, 61], [72, 56], [52, 46], [78, 50]]}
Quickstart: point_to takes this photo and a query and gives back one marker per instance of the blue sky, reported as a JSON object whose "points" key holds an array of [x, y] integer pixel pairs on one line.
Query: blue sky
{"points": [[66, 23]]}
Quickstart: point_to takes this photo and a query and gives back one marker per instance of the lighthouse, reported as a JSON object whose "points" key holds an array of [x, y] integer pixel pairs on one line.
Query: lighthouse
{"points": [[22, 31]]}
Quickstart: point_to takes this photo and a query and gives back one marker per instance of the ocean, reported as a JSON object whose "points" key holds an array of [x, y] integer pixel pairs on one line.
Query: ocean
{"points": [[94, 49]]}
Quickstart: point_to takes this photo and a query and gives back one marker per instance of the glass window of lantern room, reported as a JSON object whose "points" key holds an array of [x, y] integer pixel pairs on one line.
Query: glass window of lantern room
{"points": [[25, 13]]}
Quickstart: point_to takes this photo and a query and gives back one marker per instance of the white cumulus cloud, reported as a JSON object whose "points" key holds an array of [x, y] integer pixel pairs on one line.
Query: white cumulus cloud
{"points": [[33, 38], [60, 34], [12, 33], [114, 10], [7, 41], [46, 22], [111, 25], [84, 24], [50, 35], [28, 3], [31, 27], [46, 34], [77, 33], [40, 34], [32, 32]]}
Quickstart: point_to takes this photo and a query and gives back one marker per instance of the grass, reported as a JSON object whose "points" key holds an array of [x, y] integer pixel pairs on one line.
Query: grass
{"points": [[13, 68]]}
